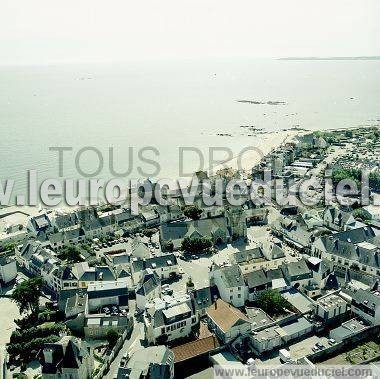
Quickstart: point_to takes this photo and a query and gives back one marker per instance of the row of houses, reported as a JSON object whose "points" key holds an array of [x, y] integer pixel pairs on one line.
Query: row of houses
{"points": [[237, 286]]}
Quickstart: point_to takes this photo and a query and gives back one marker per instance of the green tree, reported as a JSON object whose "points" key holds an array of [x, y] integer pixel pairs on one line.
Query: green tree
{"points": [[271, 302], [196, 245], [149, 233], [27, 294], [71, 254], [192, 211], [168, 246], [346, 173], [362, 214], [112, 337]]}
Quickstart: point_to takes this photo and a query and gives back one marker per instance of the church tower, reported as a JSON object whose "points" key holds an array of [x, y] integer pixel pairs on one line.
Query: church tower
{"points": [[236, 222]]}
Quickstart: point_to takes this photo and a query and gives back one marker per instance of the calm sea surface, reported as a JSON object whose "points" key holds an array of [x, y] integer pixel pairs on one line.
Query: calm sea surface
{"points": [[167, 105]]}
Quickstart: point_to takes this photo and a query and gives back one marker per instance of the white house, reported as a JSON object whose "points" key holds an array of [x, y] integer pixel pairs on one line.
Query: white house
{"points": [[227, 321], [366, 305], [169, 319], [230, 283], [147, 289]]}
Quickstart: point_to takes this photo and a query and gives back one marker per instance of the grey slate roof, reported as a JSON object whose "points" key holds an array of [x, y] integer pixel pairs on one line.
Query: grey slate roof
{"points": [[205, 227], [154, 262], [257, 278], [202, 298], [349, 245], [296, 270], [248, 255], [232, 276], [149, 283]]}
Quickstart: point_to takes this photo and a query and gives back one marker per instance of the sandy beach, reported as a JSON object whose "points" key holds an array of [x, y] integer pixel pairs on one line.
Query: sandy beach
{"points": [[253, 154]]}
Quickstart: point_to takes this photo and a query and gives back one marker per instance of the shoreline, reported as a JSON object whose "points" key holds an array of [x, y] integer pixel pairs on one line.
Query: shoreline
{"points": [[250, 158], [243, 162]]}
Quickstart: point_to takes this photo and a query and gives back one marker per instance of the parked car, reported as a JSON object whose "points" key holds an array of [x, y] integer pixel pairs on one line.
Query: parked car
{"points": [[315, 348], [319, 345], [331, 341]]}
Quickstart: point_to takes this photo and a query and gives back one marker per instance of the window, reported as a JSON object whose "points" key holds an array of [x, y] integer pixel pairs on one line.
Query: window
{"points": [[162, 330], [239, 295]]}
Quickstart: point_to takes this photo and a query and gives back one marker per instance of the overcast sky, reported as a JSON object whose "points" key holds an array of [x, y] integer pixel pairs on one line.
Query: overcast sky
{"points": [[45, 31]]}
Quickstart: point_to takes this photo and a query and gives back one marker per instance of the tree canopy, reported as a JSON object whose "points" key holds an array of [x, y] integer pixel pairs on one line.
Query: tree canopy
{"points": [[71, 254], [112, 337], [362, 214], [27, 294], [192, 211], [271, 302], [196, 245]]}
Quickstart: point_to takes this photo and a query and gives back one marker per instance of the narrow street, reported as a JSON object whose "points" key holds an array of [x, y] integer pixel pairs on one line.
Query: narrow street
{"points": [[130, 344]]}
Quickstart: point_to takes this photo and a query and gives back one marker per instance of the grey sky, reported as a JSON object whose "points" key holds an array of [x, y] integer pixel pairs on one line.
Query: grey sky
{"points": [[44, 31]]}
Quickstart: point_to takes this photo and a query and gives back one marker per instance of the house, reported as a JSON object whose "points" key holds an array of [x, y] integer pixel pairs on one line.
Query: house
{"points": [[191, 357], [165, 266], [338, 220], [75, 305], [8, 269], [150, 217], [202, 299], [148, 288], [170, 318], [64, 278], [227, 321], [69, 358], [365, 304], [357, 248], [247, 256], [256, 282], [38, 225], [267, 339], [321, 269], [292, 232], [168, 213], [25, 251], [214, 228], [154, 362], [102, 307], [139, 249], [87, 275], [230, 283], [298, 274], [97, 326]]}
